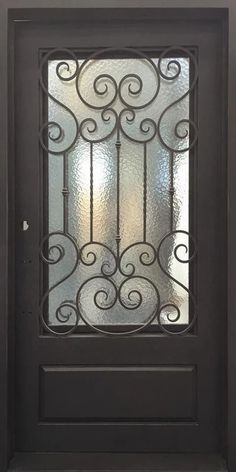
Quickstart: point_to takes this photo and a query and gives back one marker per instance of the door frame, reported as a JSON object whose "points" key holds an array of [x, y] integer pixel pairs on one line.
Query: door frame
{"points": [[12, 11]]}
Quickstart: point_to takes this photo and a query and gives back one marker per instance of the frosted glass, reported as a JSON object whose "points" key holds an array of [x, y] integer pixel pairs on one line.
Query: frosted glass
{"points": [[131, 192]]}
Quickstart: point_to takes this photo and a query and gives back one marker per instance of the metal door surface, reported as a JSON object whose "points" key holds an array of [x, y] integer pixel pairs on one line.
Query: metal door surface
{"points": [[118, 191]]}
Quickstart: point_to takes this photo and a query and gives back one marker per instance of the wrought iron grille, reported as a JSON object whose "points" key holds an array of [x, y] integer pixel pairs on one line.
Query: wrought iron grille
{"points": [[109, 276]]}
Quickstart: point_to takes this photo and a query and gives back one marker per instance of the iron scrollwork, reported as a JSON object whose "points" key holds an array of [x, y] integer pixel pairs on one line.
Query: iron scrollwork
{"points": [[104, 291]]}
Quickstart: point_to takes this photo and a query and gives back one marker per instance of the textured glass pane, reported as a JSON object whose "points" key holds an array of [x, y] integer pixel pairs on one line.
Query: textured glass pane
{"points": [[129, 209]]}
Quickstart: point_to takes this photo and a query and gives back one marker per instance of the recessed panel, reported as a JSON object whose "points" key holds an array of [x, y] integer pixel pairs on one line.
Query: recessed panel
{"points": [[72, 393]]}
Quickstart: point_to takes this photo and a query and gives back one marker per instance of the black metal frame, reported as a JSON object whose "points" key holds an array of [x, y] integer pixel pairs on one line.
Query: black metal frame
{"points": [[13, 10]]}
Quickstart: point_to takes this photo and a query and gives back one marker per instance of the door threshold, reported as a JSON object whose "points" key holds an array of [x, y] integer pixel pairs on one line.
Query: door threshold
{"points": [[68, 462]]}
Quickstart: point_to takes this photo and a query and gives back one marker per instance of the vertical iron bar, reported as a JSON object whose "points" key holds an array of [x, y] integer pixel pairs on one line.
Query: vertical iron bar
{"points": [[171, 191], [145, 192], [118, 145], [91, 192], [65, 192]]}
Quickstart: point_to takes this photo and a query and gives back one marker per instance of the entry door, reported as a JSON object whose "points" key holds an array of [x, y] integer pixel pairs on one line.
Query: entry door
{"points": [[118, 188]]}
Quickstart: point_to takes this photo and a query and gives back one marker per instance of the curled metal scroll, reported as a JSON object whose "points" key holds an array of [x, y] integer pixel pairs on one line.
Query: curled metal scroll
{"points": [[46, 255], [188, 123], [87, 256], [165, 327], [127, 293], [46, 130]]}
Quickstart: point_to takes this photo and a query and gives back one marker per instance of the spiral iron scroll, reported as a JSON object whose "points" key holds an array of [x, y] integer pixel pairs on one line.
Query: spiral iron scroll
{"points": [[126, 293]]}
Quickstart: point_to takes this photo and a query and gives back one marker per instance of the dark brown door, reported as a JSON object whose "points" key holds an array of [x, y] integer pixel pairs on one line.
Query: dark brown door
{"points": [[118, 155]]}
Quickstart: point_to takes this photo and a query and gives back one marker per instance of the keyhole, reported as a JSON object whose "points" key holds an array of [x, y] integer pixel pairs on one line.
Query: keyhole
{"points": [[24, 225]]}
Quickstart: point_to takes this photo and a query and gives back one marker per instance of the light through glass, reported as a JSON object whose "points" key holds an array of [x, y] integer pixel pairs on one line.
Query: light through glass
{"points": [[121, 190]]}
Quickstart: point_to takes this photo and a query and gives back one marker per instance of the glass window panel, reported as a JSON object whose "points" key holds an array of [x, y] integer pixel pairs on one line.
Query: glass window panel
{"points": [[129, 216]]}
